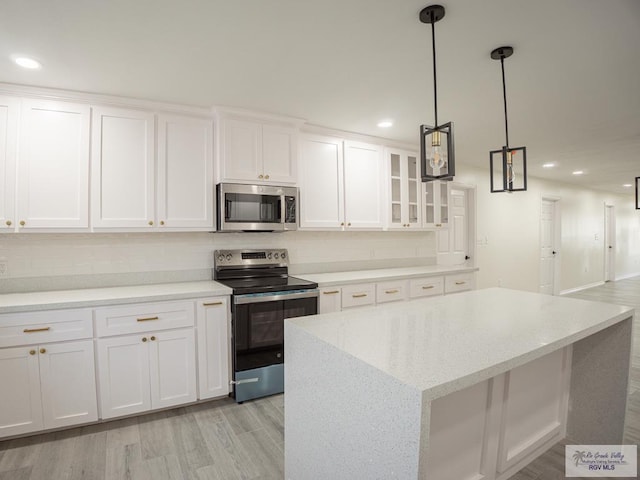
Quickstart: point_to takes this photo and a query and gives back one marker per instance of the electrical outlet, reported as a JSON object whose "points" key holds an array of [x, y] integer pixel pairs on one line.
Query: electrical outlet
{"points": [[4, 267]]}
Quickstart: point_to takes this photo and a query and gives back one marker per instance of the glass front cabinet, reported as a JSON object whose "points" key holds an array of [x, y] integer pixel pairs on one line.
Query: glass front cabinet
{"points": [[412, 204]]}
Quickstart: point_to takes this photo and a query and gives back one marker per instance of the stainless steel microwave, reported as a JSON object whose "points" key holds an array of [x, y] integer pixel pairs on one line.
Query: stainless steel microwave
{"points": [[256, 208]]}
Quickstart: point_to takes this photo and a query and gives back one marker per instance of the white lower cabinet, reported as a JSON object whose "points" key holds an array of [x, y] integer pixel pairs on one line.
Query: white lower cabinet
{"points": [[146, 357], [330, 300], [212, 323], [47, 386]]}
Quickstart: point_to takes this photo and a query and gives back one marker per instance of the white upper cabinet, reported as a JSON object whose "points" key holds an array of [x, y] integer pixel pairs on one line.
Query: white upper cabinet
{"points": [[53, 166], [340, 184], [404, 190], [321, 183], [436, 205], [184, 194], [363, 193], [252, 151], [123, 174], [9, 108]]}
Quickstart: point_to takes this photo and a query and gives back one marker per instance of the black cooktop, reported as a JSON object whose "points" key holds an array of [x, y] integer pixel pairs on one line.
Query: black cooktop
{"points": [[282, 283]]}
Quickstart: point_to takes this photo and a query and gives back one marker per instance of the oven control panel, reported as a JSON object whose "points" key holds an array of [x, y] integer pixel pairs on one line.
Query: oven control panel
{"points": [[238, 258]]}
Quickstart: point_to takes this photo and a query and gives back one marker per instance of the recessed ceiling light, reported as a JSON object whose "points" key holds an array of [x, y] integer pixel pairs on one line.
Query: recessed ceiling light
{"points": [[385, 124], [27, 62], [577, 172], [627, 185], [548, 165]]}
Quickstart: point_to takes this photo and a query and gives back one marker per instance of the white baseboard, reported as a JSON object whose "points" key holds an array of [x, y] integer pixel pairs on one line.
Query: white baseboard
{"points": [[583, 287], [629, 275]]}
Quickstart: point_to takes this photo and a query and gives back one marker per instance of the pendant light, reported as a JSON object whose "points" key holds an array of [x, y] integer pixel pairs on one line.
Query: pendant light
{"points": [[509, 163], [437, 159], [637, 193]]}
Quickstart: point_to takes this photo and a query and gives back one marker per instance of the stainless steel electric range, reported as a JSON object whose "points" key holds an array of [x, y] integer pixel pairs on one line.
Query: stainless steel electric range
{"points": [[263, 296]]}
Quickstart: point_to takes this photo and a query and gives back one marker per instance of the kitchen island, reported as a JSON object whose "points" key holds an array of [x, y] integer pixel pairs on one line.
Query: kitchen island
{"points": [[473, 385]]}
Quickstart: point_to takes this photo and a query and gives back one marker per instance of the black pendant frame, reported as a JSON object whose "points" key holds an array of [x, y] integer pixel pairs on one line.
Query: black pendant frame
{"points": [[447, 172], [637, 193], [518, 154]]}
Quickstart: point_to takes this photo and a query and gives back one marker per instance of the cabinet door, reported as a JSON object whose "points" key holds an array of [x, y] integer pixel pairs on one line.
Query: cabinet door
{"points": [[321, 183], [67, 372], [436, 205], [404, 196], [53, 165], [213, 347], [279, 148], [330, 300], [122, 161], [21, 410], [172, 367], [185, 173], [241, 151], [8, 140], [363, 186], [123, 372]]}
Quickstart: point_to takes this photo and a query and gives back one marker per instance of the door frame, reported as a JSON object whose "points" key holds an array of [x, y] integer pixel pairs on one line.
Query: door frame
{"points": [[557, 237], [609, 228]]}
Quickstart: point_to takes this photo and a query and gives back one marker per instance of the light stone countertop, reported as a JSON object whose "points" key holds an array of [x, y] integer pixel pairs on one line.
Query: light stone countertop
{"points": [[383, 274], [442, 344], [92, 297]]}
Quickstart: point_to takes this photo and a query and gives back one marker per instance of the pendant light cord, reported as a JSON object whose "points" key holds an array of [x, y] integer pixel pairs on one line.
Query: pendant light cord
{"points": [[504, 96], [435, 83]]}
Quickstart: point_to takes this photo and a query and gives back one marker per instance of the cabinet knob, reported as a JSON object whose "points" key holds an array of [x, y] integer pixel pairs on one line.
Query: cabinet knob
{"points": [[349, 224], [342, 224], [260, 176], [144, 339], [8, 222], [150, 222], [266, 177], [153, 339], [161, 222], [43, 350], [32, 352], [22, 223]]}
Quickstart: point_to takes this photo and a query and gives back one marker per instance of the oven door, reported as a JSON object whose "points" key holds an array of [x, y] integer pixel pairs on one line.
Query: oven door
{"points": [[258, 339]]}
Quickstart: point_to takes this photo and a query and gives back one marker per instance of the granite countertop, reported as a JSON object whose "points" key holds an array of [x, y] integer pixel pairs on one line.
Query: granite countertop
{"points": [[360, 276], [443, 344], [92, 297]]}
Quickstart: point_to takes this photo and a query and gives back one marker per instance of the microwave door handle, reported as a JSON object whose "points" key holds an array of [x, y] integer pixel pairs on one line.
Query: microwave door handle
{"points": [[227, 209]]}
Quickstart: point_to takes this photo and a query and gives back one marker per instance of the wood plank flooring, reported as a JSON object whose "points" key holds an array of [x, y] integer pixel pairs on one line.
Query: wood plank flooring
{"points": [[221, 440]]}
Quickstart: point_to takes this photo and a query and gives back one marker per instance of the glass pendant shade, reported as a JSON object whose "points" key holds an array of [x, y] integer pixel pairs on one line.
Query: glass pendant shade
{"points": [[436, 152], [508, 169], [637, 193]]}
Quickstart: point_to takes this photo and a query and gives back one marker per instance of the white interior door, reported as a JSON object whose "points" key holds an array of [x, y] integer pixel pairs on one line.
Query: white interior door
{"points": [[453, 243], [548, 249], [609, 243]]}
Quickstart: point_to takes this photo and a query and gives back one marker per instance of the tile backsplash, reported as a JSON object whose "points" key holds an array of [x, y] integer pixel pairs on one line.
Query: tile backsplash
{"points": [[59, 261]]}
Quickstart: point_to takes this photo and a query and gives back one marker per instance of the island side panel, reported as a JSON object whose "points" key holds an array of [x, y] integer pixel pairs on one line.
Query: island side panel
{"points": [[599, 383], [343, 418]]}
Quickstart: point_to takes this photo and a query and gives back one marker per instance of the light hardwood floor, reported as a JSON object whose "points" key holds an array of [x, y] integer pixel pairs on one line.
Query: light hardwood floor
{"points": [[221, 440]]}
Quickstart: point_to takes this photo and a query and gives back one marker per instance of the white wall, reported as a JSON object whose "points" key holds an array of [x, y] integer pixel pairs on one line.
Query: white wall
{"points": [[58, 256], [509, 238]]}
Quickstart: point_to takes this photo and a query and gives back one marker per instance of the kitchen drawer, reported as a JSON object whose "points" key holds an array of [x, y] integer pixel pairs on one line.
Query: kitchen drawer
{"points": [[45, 326], [144, 317], [391, 291], [426, 287], [358, 295], [459, 282]]}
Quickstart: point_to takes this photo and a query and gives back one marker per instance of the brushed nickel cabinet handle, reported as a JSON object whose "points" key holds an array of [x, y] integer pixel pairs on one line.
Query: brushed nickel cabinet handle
{"points": [[212, 304], [32, 330], [147, 319], [359, 295], [427, 287], [391, 291], [460, 283], [332, 292]]}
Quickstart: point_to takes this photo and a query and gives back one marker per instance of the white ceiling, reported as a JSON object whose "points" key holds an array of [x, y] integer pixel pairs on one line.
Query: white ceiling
{"points": [[573, 83]]}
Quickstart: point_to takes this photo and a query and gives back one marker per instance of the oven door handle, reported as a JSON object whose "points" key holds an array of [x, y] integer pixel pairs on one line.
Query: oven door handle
{"points": [[274, 297]]}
